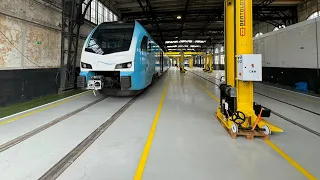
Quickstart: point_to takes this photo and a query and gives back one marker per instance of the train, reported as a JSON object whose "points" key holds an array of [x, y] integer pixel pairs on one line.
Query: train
{"points": [[120, 58], [290, 56]]}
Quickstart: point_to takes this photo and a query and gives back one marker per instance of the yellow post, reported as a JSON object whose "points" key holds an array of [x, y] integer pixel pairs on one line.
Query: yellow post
{"points": [[205, 62], [238, 39], [191, 62], [182, 62], [244, 45], [229, 43], [210, 63], [178, 62]]}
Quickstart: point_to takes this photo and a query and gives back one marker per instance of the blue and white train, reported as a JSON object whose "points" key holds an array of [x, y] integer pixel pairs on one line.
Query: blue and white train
{"points": [[120, 58]]}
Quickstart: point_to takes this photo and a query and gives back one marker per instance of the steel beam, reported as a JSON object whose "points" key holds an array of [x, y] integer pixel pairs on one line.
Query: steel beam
{"points": [[72, 20]]}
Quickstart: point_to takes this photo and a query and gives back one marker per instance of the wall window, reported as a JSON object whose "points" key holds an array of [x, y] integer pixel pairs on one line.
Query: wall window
{"points": [[313, 15], [216, 59], [114, 17], [222, 59], [258, 34], [106, 11], [93, 11], [221, 49], [84, 5], [98, 13], [216, 51], [279, 27], [109, 16]]}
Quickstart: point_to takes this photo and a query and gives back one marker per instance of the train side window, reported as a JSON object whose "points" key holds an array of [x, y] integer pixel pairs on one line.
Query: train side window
{"points": [[144, 44]]}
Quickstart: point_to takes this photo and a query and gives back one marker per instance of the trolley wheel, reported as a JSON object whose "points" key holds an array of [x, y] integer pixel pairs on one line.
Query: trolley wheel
{"points": [[234, 128], [267, 130]]}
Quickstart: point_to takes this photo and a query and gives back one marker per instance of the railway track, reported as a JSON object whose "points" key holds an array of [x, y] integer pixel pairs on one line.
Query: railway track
{"points": [[274, 112], [29, 134], [56, 170]]}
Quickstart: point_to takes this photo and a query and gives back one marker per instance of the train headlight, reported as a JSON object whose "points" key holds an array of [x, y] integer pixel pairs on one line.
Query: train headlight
{"points": [[124, 65], [86, 66]]}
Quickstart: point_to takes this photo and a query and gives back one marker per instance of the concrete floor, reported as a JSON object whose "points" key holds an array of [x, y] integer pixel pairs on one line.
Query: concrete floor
{"points": [[188, 142]]}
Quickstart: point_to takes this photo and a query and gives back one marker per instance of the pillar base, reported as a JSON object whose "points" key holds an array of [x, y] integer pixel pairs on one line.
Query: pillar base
{"points": [[262, 126]]}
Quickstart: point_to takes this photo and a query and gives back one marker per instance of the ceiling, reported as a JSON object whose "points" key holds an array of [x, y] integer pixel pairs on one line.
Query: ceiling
{"points": [[195, 20], [195, 24]]}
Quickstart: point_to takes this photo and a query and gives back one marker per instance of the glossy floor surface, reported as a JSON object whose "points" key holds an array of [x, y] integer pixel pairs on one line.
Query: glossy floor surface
{"points": [[169, 132]]}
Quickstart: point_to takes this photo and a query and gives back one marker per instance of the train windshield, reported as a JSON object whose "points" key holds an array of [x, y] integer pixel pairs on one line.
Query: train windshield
{"points": [[110, 38]]}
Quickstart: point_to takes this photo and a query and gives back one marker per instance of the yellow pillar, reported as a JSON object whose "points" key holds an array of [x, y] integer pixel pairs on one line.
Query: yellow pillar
{"points": [[178, 61], [205, 62], [182, 62], [238, 39], [210, 62], [191, 62], [229, 43], [244, 45]]}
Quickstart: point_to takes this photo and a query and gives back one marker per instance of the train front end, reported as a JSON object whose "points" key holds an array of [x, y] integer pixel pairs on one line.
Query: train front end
{"points": [[107, 59]]}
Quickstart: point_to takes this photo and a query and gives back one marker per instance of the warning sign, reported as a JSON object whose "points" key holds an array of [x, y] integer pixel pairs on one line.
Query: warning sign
{"points": [[242, 31]]}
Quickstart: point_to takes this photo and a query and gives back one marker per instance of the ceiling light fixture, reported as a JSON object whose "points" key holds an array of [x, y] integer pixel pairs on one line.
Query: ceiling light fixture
{"points": [[178, 17]]}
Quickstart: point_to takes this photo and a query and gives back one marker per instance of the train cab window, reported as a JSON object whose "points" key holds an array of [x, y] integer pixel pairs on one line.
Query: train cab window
{"points": [[144, 44], [111, 38]]}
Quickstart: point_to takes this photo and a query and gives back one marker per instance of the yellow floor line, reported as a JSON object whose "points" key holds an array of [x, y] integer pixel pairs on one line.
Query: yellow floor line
{"points": [[208, 92], [145, 153], [290, 160], [41, 109], [272, 145]]}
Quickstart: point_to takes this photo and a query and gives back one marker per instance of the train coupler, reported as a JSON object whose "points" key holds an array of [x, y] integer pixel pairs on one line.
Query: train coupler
{"points": [[95, 83]]}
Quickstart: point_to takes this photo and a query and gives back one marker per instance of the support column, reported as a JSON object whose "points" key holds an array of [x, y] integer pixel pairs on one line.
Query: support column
{"points": [[191, 62], [182, 59], [236, 109], [229, 43], [243, 45], [205, 63], [210, 63], [178, 62]]}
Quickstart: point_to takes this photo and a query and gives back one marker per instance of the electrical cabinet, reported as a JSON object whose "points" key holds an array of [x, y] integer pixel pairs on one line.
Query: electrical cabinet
{"points": [[250, 67]]}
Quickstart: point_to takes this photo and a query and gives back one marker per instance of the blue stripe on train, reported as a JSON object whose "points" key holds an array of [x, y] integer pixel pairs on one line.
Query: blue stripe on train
{"points": [[87, 74], [138, 79]]}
